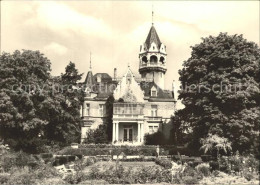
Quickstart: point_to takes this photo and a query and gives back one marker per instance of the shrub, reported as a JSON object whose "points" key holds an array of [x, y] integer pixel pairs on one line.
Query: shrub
{"points": [[251, 162], [164, 163], [235, 163], [62, 160], [94, 173], [204, 169], [190, 176], [224, 165], [45, 171], [46, 155], [19, 159], [189, 171], [7, 161], [72, 158], [190, 180], [75, 178], [214, 165], [155, 139], [90, 160], [4, 177], [50, 181], [248, 176], [94, 182], [206, 158], [93, 150], [21, 176]]}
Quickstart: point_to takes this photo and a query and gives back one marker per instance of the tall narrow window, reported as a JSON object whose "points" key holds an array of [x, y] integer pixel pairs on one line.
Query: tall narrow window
{"points": [[154, 91], [101, 109], [87, 109], [154, 111]]}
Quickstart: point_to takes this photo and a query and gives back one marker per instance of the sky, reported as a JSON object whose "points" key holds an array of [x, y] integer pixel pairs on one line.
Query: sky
{"points": [[114, 30]]}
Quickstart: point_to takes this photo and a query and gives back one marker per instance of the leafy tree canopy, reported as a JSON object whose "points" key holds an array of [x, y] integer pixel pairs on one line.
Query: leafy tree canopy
{"points": [[220, 91], [33, 112]]}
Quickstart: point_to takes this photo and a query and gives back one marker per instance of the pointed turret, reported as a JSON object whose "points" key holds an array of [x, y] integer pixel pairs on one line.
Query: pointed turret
{"points": [[89, 81], [152, 59], [152, 38]]}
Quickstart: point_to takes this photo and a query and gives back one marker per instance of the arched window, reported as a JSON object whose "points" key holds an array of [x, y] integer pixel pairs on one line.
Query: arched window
{"points": [[162, 60], [153, 59], [144, 59]]}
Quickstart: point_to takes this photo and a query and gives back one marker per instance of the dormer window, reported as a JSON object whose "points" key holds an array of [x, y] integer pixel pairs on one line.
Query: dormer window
{"points": [[154, 93]]}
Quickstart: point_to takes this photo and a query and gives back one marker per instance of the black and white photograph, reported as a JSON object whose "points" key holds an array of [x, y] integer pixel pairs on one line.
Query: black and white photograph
{"points": [[129, 92]]}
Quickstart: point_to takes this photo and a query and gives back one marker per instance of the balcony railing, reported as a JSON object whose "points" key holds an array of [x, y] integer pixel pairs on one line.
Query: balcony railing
{"points": [[151, 118], [128, 109], [152, 65]]}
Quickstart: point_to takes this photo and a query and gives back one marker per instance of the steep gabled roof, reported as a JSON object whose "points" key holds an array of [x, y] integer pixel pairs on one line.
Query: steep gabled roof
{"points": [[161, 94], [89, 81], [104, 77], [152, 37]]}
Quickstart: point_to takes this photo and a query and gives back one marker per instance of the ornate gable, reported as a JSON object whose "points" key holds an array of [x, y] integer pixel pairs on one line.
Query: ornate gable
{"points": [[128, 89]]}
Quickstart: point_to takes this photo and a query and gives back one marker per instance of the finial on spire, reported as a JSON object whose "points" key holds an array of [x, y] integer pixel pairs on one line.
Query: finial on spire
{"points": [[152, 14], [90, 61]]}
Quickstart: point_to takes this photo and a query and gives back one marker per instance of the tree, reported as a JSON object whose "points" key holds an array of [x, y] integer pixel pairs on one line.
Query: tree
{"points": [[214, 143], [156, 138], [103, 134], [220, 91], [97, 136], [23, 76], [180, 129], [34, 108], [63, 108]]}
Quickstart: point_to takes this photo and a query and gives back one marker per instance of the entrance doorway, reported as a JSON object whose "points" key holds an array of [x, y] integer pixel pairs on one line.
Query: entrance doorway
{"points": [[128, 133]]}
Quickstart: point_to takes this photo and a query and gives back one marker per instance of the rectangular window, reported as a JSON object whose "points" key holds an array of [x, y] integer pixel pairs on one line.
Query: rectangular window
{"points": [[154, 93], [153, 129], [154, 111], [101, 109], [150, 129], [87, 109]]}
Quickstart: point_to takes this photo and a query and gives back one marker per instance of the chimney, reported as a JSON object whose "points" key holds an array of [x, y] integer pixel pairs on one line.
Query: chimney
{"points": [[115, 73], [173, 89]]}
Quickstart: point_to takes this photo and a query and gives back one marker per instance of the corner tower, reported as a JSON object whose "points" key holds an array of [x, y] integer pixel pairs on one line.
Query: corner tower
{"points": [[152, 59]]}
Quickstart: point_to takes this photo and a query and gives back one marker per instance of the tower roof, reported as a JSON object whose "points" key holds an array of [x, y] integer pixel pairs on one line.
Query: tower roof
{"points": [[89, 81], [152, 37]]}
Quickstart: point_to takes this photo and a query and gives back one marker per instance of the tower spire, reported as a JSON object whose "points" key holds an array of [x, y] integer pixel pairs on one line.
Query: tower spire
{"points": [[90, 68]]}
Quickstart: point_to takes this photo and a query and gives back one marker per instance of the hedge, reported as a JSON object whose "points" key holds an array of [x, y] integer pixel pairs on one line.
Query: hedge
{"points": [[107, 149]]}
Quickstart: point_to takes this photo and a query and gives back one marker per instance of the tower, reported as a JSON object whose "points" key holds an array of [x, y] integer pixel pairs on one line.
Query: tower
{"points": [[152, 59]]}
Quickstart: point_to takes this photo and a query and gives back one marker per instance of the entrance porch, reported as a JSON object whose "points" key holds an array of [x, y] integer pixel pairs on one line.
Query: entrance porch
{"points": [[128, 133]]}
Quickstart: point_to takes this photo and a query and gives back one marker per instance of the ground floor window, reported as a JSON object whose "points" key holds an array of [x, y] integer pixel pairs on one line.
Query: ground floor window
{"points": [[153, 129]]}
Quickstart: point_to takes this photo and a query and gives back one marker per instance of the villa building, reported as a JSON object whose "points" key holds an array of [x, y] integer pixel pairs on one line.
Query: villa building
{"points": [[141, 105]]}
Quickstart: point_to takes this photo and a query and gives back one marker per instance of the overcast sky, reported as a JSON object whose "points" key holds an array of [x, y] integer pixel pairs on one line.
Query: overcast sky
{"points": [[114, 30]]}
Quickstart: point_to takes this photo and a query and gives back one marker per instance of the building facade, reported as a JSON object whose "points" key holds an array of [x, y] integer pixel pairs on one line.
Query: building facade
{"points": [[141, 104]]}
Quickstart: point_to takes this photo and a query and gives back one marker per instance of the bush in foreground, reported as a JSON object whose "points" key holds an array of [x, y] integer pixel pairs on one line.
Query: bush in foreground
{"points": [[203, 169]]}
